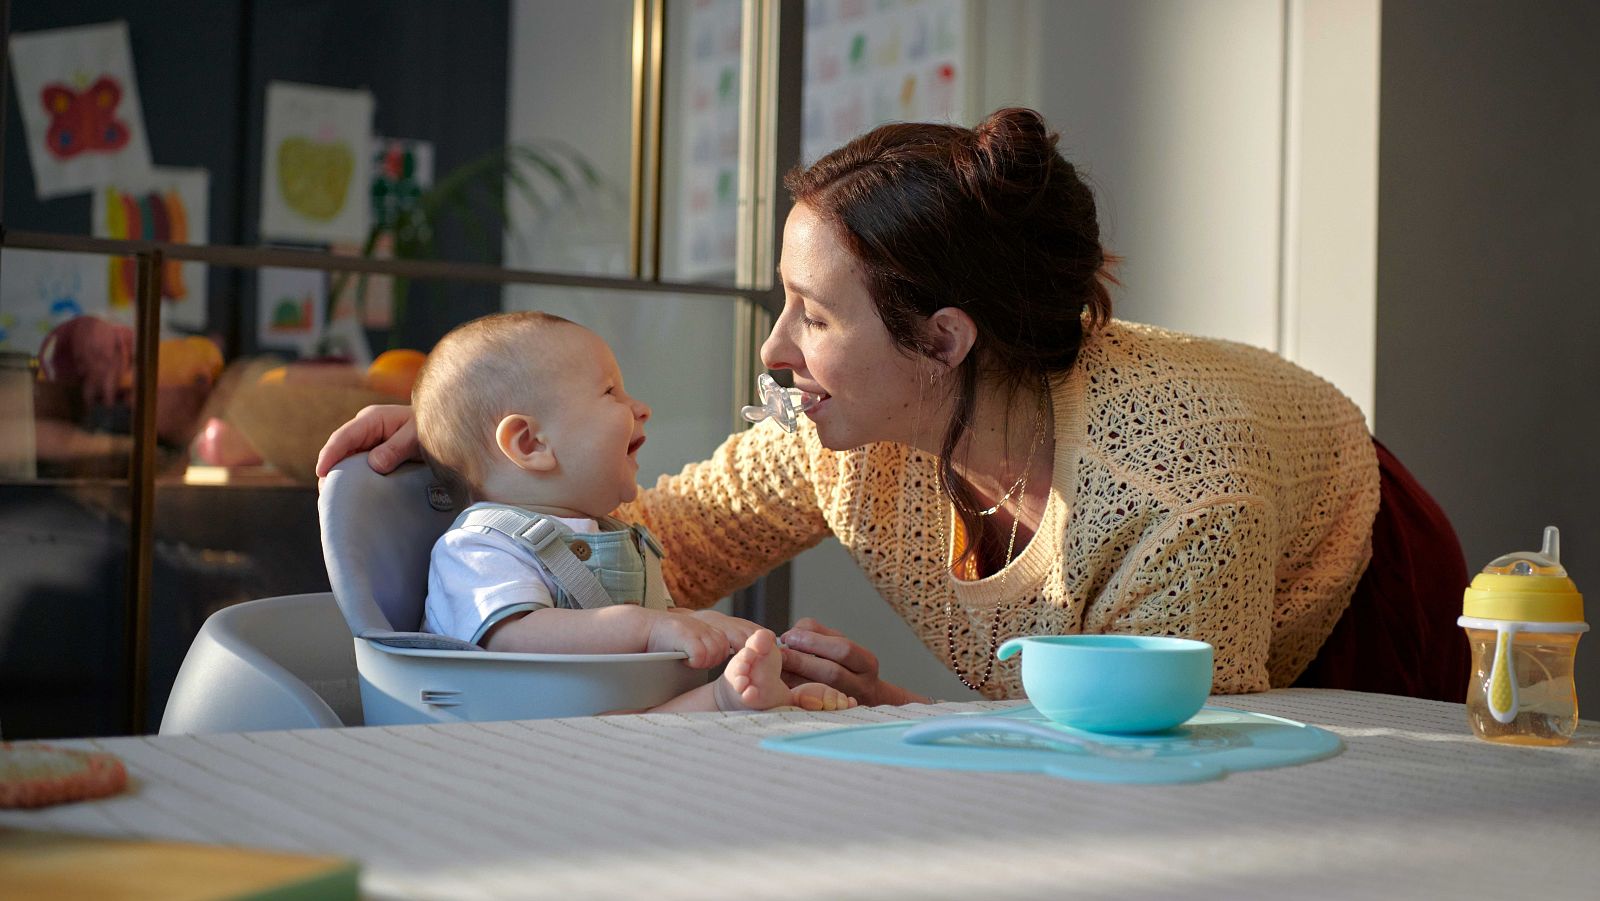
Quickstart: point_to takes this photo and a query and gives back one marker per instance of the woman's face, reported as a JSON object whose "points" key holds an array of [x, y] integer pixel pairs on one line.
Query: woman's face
{"points": [[830, 336]]}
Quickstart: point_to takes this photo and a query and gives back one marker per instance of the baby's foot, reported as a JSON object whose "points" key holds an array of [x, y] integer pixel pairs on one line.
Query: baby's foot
{"points": [[817, 696], [753, 679]]}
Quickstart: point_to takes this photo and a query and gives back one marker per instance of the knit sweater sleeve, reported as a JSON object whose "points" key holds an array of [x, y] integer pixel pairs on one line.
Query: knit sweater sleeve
{"points": [[726, 521], [1206, 573]]}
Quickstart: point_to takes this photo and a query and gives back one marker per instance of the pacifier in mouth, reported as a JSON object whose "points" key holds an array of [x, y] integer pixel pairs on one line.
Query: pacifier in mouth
{"points": [[782, 404]]}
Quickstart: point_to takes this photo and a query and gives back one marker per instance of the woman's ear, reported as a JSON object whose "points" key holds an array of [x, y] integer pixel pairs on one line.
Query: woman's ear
{"points": [[519, 440], [951, 334]]}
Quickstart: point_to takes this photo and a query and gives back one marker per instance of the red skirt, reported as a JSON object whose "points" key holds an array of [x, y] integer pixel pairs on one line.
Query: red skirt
{"points": [[1399, 634]]}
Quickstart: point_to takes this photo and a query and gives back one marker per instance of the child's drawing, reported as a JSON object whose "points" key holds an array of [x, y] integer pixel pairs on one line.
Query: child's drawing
{"points": [[316, 163], [169, 206], [39, 290], [289, 304], [80, 106]]}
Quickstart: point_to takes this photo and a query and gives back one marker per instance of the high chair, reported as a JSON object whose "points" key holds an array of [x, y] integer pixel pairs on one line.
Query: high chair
{"points": [[274, 663], [377, 533]]}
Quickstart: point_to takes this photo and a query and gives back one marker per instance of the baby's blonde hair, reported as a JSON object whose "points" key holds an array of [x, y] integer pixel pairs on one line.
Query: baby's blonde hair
{"points": [[476, 375]]}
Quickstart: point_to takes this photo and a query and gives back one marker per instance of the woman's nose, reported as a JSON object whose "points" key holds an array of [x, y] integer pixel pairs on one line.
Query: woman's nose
{"points": [[778, 352]]}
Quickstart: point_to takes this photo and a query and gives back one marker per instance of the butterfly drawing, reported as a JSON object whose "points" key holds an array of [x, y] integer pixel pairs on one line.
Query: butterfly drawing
{"points": [[82, 121]]}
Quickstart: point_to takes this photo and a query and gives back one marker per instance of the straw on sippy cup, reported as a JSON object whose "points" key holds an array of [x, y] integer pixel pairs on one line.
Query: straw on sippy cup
{"points": [[777, 402]]}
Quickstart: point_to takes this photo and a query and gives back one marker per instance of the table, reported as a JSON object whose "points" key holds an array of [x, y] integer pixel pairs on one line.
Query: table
{"points": [[688, 806]]}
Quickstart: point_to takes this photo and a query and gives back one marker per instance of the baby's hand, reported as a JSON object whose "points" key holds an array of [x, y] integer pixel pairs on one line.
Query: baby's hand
{"points": [[705, 644], [737, 630]]}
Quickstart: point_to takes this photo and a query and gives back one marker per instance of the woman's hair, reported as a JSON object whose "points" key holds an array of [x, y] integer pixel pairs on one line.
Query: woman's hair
{"points": [[992, 221], [478, 373]]}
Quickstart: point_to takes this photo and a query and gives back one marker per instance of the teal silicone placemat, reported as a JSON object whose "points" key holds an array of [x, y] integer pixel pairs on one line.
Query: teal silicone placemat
{"points": [[1217, 740]]}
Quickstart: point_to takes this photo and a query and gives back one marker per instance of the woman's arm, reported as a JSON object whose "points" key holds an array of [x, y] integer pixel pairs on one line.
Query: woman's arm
{"points": [[728, 520]]}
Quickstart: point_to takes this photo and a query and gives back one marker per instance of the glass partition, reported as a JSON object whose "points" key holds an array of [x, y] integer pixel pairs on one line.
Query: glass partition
{"points": [[66, 453], [390, 128], [122, 529]]}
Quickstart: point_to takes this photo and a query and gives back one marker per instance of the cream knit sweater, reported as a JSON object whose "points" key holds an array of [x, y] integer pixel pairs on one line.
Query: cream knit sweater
{"points": [[1202, 488]]}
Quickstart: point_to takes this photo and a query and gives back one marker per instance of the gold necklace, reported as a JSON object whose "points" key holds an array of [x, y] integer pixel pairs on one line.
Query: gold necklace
{"points": [[994, 622], [1022, 481]]}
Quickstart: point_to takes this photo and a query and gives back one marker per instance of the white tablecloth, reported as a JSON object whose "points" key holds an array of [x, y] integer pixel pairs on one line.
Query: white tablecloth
{"points": [[672, 806]]}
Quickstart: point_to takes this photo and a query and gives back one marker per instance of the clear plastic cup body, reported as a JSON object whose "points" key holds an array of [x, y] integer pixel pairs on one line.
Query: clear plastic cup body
{"points": [[1547, 698]]}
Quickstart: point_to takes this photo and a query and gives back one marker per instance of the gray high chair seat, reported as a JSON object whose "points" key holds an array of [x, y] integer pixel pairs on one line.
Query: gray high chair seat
{"points": [[274, 663], [377, 534]]}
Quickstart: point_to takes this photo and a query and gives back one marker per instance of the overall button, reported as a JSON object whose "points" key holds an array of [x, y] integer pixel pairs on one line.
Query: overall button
{"points": [[580, 549]]}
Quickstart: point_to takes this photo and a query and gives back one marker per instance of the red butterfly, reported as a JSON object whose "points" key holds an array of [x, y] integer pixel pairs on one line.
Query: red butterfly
{"points": [[83, 121]]}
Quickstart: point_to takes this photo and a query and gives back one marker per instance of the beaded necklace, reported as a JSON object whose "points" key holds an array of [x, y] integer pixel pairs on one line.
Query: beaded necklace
{"points": [[1020, 489]]}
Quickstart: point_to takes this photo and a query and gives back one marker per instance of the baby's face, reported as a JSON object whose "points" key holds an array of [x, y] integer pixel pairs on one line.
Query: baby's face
{"points": [[593, 425]]}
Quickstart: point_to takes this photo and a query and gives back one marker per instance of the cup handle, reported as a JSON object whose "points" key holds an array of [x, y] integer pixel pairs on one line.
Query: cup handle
{"points": [[1502, 678], [1009, 648]]}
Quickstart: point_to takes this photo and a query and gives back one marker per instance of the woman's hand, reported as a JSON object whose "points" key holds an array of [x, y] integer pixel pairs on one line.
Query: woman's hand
{"points": [[815, 653], [389, 431]]}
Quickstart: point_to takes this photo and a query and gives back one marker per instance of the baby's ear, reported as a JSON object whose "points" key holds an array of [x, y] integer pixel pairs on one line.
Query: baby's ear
{"points": [[519, 439]]}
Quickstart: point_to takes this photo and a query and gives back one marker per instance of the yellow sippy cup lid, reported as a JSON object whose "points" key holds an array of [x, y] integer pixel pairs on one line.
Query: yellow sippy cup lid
{"points": [[1531, 586]]}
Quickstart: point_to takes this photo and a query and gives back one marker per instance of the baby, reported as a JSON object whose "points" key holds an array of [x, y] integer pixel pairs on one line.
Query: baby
{"points": [[525, 414]]}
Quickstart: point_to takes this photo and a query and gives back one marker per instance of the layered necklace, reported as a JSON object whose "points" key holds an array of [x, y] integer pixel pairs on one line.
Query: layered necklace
{"points": [[1018, 490]]}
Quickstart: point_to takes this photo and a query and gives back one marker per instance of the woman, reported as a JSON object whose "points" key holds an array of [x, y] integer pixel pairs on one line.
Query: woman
{"points": [[1001, 458]]}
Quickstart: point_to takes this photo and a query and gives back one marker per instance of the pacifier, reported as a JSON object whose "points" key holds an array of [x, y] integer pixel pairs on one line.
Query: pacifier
{"points": [[777, 402]]}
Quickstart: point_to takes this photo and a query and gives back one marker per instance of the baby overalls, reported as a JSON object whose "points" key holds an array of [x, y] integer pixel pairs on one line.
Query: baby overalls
{"points": [[621, 564]]}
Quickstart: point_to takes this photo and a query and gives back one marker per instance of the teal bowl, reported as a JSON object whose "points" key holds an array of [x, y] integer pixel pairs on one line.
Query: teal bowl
{"points": [[1114, 683]]}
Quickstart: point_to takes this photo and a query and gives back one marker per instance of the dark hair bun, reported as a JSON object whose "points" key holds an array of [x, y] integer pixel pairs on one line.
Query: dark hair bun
{"points": [[1012, 157], [1014, 130]]}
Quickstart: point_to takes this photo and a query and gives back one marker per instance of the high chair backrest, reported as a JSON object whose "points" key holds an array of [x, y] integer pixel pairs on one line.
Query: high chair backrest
{"points": [[377, 534]]}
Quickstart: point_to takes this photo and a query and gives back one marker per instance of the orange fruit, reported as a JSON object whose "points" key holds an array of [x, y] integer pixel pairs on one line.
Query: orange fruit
{"points": [[395, 371], [191, 360]]}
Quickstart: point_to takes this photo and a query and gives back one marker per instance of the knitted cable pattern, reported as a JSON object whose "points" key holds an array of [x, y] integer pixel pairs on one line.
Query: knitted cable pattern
{"points": [[1201, 488]]}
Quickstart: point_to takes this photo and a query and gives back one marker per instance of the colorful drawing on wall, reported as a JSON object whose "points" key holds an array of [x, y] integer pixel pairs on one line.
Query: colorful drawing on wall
{"points": [[80, 106], [84, 122], [289, 305], [897, 60], [315, 163], [170, 206], [39, 290], [402, 169]]}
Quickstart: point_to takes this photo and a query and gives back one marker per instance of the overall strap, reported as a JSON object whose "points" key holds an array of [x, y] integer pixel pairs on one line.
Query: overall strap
{"points": [[655, 587], [546, 537]]}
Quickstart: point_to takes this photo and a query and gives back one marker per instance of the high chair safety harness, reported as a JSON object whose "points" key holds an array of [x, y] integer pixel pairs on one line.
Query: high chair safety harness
{"points": [[621, 564]]}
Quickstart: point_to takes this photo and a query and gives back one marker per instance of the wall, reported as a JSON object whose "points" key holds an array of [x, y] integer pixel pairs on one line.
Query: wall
{"points": [[1174, 111], [1489, 276]]}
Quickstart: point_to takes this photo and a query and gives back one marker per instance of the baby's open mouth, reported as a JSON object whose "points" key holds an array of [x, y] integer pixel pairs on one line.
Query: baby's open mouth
{"points": [[635, 444]]}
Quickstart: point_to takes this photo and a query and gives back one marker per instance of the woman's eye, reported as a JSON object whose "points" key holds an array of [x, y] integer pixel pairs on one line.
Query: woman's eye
{"points": [[812, 323]]}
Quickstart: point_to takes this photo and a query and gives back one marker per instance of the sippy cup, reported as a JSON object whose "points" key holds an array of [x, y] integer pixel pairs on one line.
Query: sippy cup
{"points": [[1523, 617], [782, 404]]}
